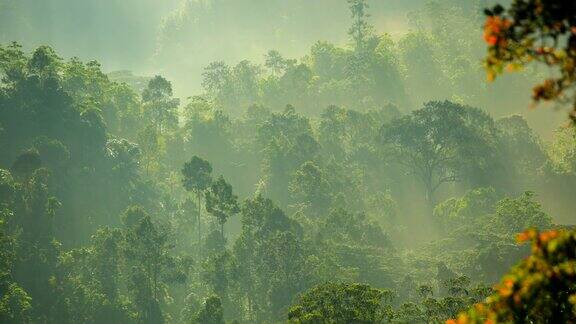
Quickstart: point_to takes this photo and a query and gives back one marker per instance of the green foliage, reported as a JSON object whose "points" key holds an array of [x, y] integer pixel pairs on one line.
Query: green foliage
{"points": [[540, 288], [108, 214], [516, 215], [563, 151], [197, 174], [464, 211], [522, 144], [360, 31], [340, 303], [159, 106], [310, 187], [440, 143], [197, 177], [211, 313], [362, 77], [358, 303], [25, 164], [221, 202], [15, 305], [354, 229]]}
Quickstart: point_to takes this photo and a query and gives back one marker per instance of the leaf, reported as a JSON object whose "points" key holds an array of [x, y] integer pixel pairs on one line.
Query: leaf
{"points": [[491, 76]]}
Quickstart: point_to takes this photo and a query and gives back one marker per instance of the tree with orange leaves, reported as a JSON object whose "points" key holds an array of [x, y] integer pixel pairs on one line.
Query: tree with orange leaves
{"points": [[541, 289], [535, 31]]}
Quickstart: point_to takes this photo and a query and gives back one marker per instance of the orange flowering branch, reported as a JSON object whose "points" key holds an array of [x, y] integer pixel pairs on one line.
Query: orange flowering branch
{"points": [[535, 31], [542, 288]]}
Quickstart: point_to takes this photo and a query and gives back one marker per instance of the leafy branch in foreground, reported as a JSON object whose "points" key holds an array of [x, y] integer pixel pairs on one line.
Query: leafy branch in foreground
{"points": [[535, 31], [541, 289]]}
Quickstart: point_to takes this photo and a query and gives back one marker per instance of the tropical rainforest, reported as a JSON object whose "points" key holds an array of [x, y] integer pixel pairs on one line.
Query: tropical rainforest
{"points": [[287, 161]]}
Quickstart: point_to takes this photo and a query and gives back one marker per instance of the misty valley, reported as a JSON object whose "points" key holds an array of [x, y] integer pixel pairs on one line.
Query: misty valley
{"points": [[287, 161]]}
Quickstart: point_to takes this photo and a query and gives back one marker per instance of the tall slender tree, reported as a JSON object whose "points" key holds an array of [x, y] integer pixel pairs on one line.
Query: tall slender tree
{"points": [[147, 249], [160, 106], [360, 29], [197, 177], [221, 202]]}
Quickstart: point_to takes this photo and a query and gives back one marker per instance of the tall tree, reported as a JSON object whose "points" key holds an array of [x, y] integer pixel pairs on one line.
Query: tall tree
{"points": [[159, 105], [270, 243], [361, 29], [221, 202], [211, 313], [310, 187], [15, 303], [37, 248], [275, 62], [440, 143], [197, 177], [217, 82], [147, 248]]}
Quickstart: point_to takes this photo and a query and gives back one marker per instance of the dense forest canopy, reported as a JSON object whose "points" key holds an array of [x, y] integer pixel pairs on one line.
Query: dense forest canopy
{"points": [[233, 161]]}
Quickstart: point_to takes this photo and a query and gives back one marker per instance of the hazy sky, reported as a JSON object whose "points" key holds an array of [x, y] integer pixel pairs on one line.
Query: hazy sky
{"points": [[126, 34], [118, 33]]}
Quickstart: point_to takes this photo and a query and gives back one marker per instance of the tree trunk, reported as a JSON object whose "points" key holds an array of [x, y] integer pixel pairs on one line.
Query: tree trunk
{"points": [[429, 197], [222, 231], [199, 223]]}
